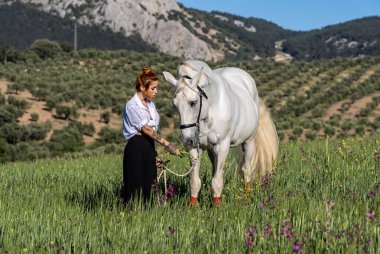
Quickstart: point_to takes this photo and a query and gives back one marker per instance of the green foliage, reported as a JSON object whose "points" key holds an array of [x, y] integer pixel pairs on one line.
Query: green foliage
{"points": [[34, 117], [74, 204], [5, 151], [66, 112], [310, 134], [14, 133], [87, 129], [45, 48], [299, 93], [5, 116], [108, 135], [8, 54], [105, 117], [332, 41], [329, 130], [18, 104], [68, 139]]}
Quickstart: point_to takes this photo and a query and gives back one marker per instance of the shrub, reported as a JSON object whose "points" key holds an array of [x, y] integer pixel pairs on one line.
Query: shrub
{"points": [[105, 117], [45, 48], [5, 116], [329, 130], [66, 112], [5, 151], [310, 134], [34, 117], [68, 139], [108, 135], [297, 131], [87, 129], [359, 130], [347, 125]]}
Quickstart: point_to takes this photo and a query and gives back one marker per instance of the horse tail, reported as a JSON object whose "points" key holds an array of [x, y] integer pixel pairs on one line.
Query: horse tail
{"points": [[266, 143]]}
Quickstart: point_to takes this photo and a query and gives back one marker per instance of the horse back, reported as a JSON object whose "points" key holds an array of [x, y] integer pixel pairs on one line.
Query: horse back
{"points": [[239, 81], [245, 100]]}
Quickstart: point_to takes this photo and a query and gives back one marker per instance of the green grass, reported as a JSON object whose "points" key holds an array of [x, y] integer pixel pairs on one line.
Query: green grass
{"points": [[71, 205]]}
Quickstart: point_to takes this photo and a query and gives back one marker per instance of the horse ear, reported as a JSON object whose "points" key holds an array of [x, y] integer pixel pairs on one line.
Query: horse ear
{"points": [[170, 78], [197, 77]]}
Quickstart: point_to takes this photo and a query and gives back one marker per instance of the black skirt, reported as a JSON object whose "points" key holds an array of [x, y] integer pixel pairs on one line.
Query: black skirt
{"points": [[139, 167]]}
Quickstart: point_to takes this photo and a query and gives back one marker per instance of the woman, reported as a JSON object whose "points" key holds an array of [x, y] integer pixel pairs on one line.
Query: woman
{"points": [[140, 124]]}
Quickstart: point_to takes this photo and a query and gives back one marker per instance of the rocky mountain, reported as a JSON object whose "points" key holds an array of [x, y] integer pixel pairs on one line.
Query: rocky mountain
{"points": [[150, 19], [167, 27]]}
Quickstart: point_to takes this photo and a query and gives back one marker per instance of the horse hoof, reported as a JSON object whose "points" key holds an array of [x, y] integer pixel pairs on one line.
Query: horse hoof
{"points": [[193, 201], [217, 201]]}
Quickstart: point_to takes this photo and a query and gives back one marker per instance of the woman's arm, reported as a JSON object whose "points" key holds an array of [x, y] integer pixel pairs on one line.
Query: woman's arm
{"points": [[153, 134]]}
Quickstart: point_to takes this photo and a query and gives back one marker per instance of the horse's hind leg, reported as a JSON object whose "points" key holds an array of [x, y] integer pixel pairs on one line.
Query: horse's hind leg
{"points": [[220, 155], [248, 150], [195, 180]]}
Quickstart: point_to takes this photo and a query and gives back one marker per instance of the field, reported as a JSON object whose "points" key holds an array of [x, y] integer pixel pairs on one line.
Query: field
{"points": [[323, 198], [72, 102]]}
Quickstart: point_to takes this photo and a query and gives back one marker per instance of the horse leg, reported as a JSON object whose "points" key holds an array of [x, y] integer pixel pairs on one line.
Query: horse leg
{"points": [[212, 159], [195, 180], [220, 155], [248, 150]]}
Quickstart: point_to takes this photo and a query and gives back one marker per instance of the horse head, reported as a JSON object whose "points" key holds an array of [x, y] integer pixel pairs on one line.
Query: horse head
{"points": [[189, 99]]}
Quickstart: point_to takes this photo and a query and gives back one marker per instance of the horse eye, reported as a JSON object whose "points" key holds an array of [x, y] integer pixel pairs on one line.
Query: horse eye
{"points": [[193, 103]]}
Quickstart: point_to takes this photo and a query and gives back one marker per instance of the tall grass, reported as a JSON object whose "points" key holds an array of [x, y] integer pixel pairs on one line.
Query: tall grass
{"points": [[324, 198]]}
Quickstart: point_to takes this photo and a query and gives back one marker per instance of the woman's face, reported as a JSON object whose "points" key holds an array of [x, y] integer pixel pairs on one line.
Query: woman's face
{"points": [[151, 91]]}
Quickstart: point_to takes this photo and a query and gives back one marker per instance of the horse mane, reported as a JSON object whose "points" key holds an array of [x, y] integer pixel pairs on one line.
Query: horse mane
{"points": [[189, 68], [195, 66]]}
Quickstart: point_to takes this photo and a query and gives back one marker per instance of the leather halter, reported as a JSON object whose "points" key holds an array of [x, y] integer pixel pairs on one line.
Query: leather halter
{"points": [[196, 124]]}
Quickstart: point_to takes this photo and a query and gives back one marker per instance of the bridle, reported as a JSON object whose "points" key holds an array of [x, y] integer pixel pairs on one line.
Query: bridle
{"points": [[201, 95]]}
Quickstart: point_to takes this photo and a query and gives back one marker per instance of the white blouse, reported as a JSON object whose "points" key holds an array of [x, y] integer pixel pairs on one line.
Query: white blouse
{"points": [[136, 115]]}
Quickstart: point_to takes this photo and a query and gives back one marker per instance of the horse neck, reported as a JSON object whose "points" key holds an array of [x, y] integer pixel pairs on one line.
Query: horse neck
{"points": [[218, 91]]}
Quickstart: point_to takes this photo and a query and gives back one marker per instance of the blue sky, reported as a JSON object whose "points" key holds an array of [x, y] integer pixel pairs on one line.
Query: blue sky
{"points": [[293, 14]]}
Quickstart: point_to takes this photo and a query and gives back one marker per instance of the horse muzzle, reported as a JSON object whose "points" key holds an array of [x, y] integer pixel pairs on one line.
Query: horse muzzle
{"points": [[190, 143]]}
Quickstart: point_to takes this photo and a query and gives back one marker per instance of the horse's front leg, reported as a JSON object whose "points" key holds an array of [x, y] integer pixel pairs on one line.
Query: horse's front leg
{"points": [[220, 155], [195, 180]]}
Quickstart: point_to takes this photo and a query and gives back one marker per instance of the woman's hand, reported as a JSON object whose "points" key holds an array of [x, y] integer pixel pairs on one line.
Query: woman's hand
{"points": [[172, 149]]}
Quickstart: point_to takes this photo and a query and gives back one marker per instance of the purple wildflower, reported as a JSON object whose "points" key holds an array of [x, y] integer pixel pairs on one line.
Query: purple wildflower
{"points": [[297, 247], [249, 242], [370, 216], [262, 204], [170, 192], [250, 235], [268, 230], [170, 231], [330, 203]]}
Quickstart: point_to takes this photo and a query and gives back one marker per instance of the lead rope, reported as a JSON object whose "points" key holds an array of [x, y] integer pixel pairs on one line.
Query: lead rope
{"points": [[194, 161]]}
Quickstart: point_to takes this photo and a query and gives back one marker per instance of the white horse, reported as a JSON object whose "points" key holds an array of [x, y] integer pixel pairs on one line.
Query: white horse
{"points": [[220, 109]]}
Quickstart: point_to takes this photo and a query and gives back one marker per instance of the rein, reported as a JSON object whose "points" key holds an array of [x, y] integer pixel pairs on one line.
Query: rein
{"points": [[194, 161]]}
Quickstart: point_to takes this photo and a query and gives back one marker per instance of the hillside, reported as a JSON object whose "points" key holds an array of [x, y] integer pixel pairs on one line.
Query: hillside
{"points": [[170, 28], [73, 101], [22, 24], [350, 39]]}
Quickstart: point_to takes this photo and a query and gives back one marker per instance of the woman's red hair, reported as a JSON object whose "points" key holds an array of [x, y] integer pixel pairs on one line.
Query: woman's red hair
{"points": [[145, 78]]}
